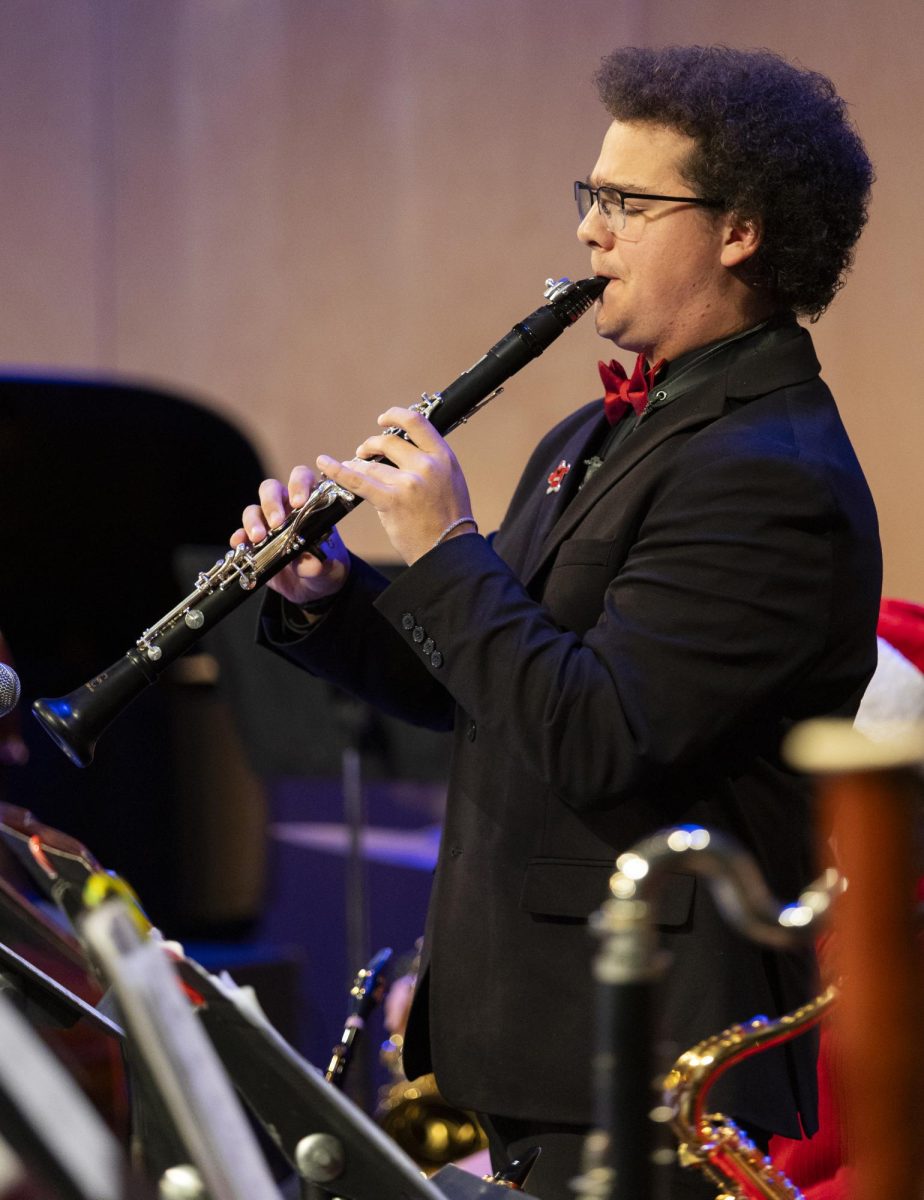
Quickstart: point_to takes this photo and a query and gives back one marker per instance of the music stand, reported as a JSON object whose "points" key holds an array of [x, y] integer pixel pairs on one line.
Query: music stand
{"points": [[43, 995], [50, 1122]]}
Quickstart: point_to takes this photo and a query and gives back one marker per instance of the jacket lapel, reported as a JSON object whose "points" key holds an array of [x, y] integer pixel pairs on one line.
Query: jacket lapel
{"points": [[705, 406], [536, 519], [781, 357]]}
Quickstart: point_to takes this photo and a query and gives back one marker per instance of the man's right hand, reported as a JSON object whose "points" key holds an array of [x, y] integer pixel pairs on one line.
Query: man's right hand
{"points": [[306, 578]]}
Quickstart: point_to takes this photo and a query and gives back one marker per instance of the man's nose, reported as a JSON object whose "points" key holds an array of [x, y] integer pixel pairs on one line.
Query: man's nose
{"points": [[593, 231]]}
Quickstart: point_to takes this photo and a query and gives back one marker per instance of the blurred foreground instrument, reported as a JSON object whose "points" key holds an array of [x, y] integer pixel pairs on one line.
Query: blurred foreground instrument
{"points": [[621, 1158], [872, 799]]}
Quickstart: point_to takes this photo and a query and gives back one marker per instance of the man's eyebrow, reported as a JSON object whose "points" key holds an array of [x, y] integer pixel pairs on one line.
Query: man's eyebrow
{"points": [[595, 182]]}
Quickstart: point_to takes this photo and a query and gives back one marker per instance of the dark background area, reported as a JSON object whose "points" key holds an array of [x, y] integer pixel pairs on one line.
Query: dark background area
{"points": [[117, 495]]}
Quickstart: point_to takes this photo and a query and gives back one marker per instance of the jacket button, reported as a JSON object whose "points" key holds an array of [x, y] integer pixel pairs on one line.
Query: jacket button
{"points": [[407, 621], [471, 731], [418, 634], [436, 659], [429, 646]]}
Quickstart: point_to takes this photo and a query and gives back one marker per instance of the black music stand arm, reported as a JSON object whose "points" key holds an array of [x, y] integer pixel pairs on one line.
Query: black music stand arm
{"points": [[309, 1120], [45, 997], [456, 1184]]}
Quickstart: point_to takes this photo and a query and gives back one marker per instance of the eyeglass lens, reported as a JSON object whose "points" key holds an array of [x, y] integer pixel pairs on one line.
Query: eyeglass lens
{"points": [[610, 204]]}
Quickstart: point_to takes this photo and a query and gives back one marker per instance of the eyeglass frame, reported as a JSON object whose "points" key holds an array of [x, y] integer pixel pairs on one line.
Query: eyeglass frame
{"points": [[581, 188]]}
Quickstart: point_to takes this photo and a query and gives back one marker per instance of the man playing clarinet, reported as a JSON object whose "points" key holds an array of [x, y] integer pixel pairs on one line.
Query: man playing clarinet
{"points": [[685, 570]]}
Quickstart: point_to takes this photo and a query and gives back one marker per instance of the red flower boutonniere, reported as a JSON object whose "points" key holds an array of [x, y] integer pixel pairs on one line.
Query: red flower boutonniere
{"points": [[556, 479]]}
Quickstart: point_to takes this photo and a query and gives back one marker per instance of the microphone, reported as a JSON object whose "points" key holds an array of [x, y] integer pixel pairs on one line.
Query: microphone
{"points": [[9, 689]]}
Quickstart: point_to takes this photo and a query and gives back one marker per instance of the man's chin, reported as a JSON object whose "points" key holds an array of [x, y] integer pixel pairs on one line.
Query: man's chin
{"points": [[607, 322], [607, 327]]}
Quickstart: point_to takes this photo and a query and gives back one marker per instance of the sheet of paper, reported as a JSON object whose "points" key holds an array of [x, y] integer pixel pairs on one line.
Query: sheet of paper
{"points": [[192, 1082]]}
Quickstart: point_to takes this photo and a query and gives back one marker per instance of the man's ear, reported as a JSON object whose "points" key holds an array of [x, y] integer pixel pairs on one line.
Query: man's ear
{"points": [[742, 239]]}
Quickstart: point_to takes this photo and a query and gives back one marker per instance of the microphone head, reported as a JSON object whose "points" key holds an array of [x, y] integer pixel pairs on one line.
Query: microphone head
{"points": [[9, 689]]}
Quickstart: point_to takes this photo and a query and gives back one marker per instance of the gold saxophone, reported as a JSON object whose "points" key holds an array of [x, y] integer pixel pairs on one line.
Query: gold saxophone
{"points": [[711, 1142], [426, 1127], [413, 1113]]}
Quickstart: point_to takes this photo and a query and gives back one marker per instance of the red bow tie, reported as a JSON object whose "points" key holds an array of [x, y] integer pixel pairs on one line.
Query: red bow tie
{"points": [[624, 391]]}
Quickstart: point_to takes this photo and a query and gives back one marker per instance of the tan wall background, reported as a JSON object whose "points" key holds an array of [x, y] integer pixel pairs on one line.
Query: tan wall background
{"points": [[303, 210]]}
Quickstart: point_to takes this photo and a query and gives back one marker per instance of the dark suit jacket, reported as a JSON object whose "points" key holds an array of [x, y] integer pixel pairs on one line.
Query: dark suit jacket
{"points": [[617, 661]]}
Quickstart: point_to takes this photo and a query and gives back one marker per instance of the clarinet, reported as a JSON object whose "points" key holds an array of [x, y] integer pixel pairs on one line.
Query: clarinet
{"points": [[76, 721]]}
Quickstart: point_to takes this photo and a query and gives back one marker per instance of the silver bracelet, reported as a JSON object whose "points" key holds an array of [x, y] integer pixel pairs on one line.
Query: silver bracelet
{"points": [[455, 525]]}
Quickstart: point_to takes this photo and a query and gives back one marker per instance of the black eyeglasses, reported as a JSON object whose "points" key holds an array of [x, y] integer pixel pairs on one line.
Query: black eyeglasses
{"points": [[611, 203]]}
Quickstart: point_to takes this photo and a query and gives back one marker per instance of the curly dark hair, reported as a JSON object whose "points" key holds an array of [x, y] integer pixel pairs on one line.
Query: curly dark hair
{"points": [[773, 142]]}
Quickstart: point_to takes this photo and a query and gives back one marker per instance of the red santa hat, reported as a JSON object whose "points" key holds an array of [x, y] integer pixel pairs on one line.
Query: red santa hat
{"points": [[901, 624], [896, 691]]}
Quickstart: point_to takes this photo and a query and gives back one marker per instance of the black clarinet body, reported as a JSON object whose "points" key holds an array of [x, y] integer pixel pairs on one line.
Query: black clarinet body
{"points": [[76, 721]]}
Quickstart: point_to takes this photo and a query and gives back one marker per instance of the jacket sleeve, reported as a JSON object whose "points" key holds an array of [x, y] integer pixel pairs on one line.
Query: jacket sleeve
{"points": [[710, 631], [355, 648]]}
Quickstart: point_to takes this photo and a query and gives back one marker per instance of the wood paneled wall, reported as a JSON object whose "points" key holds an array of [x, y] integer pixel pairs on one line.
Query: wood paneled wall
{"points": [[301, 211]]}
